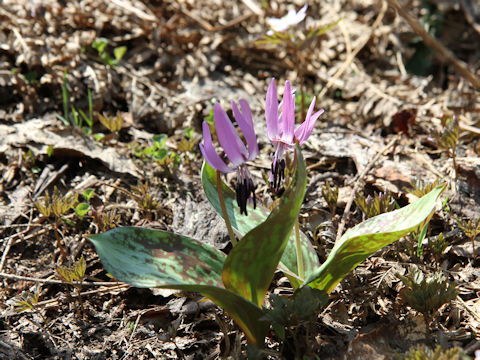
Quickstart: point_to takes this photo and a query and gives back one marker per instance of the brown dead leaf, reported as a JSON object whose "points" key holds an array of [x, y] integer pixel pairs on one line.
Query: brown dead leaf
{"points": [[37, 135]]}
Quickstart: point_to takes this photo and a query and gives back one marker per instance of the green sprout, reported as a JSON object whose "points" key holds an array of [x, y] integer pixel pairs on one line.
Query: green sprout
{"points": [[57, 206], [167, 159], [438, 245], [30, 161], [141, 194], [447, 138], [423, 352], [188, 142], [330, 194], [78, 115], [112, 123], [378, 204], [420, 188], [73, 275], [471, 229], [426, 294], [100, 45], [28, 301], [290, 315], [107, 220]]}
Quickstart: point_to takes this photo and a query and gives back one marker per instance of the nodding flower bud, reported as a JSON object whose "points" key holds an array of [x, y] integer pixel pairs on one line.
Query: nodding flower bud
{"points": [[234, 148]]}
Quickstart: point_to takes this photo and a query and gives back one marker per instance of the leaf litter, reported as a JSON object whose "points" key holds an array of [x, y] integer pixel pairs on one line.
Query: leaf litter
{"points": [[179, 57]]}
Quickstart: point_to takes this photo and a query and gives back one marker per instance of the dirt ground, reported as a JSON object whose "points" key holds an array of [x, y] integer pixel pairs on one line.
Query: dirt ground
{"points": [[385, 78]]}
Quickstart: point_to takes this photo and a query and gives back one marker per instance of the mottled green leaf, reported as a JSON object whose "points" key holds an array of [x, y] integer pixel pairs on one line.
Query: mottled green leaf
{"points": [[149, 258], [249, 267], [371, 235], [152, 258], [243, 224]]}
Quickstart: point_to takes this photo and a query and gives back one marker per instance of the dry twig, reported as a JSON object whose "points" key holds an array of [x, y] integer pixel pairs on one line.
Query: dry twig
{"points": [[444, 53]]}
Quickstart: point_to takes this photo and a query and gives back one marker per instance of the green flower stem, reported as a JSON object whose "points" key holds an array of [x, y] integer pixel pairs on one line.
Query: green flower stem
{"points": [[300, 268], [224, 209], [301, 271]]}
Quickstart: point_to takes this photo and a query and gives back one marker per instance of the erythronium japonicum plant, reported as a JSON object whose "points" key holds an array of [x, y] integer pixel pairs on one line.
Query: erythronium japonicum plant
{"points": [[282, 134], [238, 282]]}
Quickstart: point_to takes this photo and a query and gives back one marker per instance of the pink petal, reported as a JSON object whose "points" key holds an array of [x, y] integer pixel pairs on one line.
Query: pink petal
{"points": [[209, 153], [287, 121], [305, 130], [228, 137], [271, 111], [245, 121]]}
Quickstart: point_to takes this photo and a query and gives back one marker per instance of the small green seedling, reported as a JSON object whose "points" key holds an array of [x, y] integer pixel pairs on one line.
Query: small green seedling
{"points": [[426, 294], [291, 315], [78, 115], [210, 117], [420, 188], [73, 275], [145, 200], [330, 194], [83, 208], [188, 142], [423, 352], [107, 220], [167, 159], [30, 161], [100, 45], [58, 205], [112, 123], [437, 245], [378, 204], [27, 301], [471, 229], [447, 138]]}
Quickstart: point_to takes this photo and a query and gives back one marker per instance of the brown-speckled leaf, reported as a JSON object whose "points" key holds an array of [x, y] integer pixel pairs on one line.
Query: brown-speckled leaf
{"points": [[149, 258], [152, 258], [369, 236], [249, 267]]}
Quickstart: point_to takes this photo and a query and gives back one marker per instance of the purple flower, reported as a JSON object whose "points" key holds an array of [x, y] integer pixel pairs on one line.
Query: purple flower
{"points": [[292, 18], [281, 127], [234, 148]]}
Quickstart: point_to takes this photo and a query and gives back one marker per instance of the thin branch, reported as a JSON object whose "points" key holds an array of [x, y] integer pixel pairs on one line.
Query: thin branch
{"points": [[443, 53]]}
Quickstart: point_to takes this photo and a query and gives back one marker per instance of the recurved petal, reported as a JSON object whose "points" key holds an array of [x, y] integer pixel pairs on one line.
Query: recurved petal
{"points": [[209, 153], [228, 137], [300, 15], [305, 130], [245, 121], [287, 121], [271, 111]]}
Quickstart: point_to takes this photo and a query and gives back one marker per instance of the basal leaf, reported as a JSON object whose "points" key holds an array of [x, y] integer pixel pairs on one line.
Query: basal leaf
{"points": [[152, 258], [249, 267], [243, 224], [371, 235], [149, 258]]}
